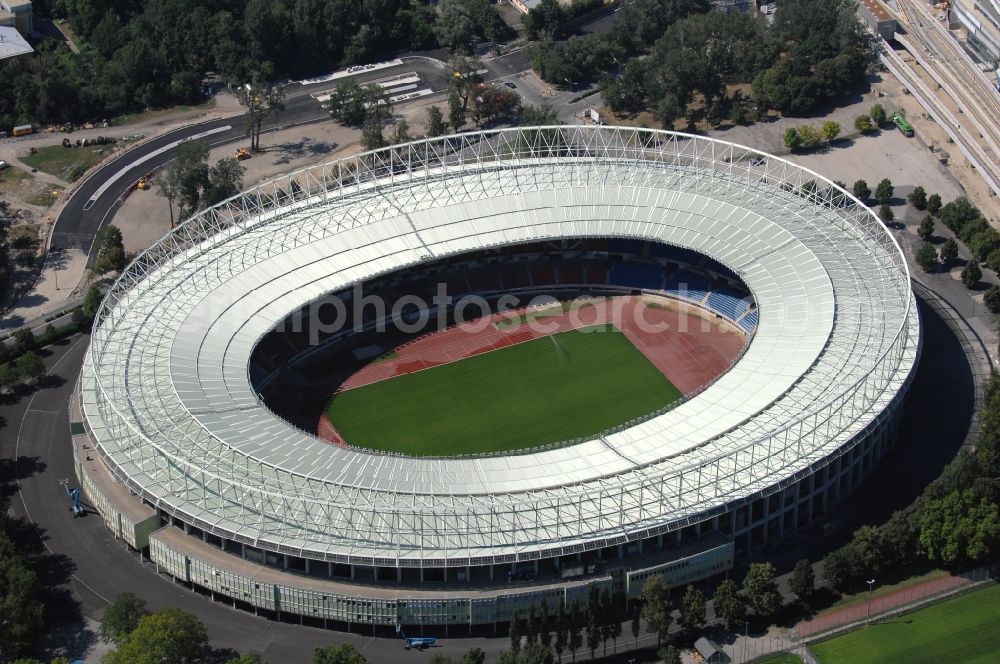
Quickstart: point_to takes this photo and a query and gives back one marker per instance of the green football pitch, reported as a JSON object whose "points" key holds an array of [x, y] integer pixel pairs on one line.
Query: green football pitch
{"points": [[965, 629], [556, 388]]}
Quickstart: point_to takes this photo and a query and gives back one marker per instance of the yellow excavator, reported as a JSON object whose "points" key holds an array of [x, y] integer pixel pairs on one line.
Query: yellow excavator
{"points": [[242, 154]]}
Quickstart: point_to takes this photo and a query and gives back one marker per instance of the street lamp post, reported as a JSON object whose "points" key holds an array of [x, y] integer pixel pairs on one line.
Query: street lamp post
{"points": [[868, 615]]}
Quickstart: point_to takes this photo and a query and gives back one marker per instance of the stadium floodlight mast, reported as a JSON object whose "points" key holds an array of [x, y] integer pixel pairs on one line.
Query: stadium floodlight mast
{"points": [[868, 616]]}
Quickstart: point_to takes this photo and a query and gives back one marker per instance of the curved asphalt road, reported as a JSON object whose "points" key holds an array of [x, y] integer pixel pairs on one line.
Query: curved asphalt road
{"points": [[81, 218]]}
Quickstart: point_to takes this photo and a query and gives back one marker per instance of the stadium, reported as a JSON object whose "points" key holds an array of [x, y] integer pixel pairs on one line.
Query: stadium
{"points": [[684, 349]]}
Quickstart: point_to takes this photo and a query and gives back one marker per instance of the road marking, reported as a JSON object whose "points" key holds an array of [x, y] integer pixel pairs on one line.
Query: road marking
{"points": [[350, 71], [155, 153]]}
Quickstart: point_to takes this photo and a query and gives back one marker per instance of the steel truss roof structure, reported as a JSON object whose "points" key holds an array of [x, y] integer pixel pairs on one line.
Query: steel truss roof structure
{"points": [[168, 402]]}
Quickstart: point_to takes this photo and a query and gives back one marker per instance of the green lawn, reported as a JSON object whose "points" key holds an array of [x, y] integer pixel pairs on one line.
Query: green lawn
{"points": [[965, 629], [572, 384], [67, 163], [784, 658]]}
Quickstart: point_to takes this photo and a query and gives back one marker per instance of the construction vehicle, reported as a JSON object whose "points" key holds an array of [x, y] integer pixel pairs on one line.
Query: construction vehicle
{"points": [[417, 642], [74, 498], [899, 119], [145, 182], [242, 154]]}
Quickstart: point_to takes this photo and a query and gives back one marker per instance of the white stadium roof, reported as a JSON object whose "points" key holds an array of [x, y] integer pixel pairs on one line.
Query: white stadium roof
{"points": [[167, 397]]}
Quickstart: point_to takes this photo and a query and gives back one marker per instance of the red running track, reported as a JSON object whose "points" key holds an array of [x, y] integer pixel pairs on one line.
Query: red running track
{"points": [[686, 344]]}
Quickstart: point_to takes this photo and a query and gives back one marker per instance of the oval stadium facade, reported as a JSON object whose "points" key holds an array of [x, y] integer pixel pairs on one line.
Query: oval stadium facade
{"points": [[228, 496]]}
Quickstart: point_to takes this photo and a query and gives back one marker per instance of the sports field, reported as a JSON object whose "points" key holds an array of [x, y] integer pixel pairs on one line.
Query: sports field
{"points": [[965, 629], [563, 386]]}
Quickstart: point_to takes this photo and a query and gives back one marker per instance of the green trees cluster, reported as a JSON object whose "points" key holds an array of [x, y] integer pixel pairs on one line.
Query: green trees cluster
{"points": [[136, 55], [810, 138], [22, 610], [462, 20], [544, 19], [192, 184], [955, 522], [968, 223], [110, 250]]}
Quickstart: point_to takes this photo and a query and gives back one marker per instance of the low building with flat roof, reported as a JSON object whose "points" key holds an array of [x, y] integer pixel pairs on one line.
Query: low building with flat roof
{"points": [[877, 18], [18, 13], [12, 44]]}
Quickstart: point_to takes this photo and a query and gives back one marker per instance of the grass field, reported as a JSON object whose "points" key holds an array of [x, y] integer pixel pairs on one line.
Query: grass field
{"points": [[572, 384], [66, 163], [965, 629], [784, 658]]}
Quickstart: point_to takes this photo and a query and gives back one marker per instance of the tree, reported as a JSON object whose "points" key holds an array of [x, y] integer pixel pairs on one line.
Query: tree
{"points": [[693, 609], [435, 122], [530, 654], [225, 180], [8, 375], [792, 139], [252, 658], [613, 619], [918, 198], [30, 366], [347, 103], [960, 528], [877, 114], [761, 589], [24, 341], [863, 123], [669, 655], [803, 581], [926, 228], [861, 190], [167, 187], [831, 130], [992, 299], [342, 654], [949, 252], [927, 257], [809, 138], [729, 605], [473, 656], [401, 132], [531, 626], [122, 617], [544, 625], [169, 635], [514, 631], [371, 135], [456, 112], [575, 628], [111, 256], [840, 567], [261, 100], [561, 628], [883, 192], [656, 607], [934, 203], [636, 625], [78, 319], [593, 619], [885, 213], [22, 611], [189, 172], [971, 274], [92, 301]]}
